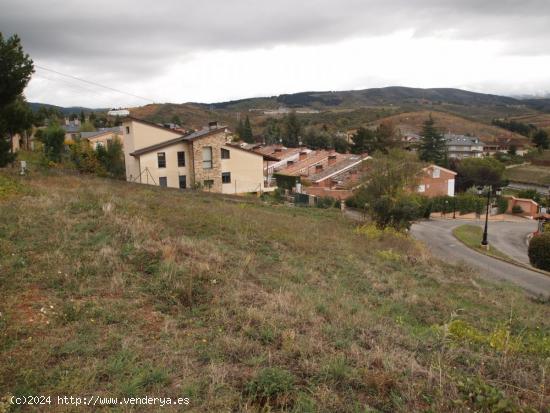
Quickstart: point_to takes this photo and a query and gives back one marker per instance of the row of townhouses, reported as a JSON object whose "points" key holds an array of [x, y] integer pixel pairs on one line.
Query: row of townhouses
{"points": [[208, 159]]}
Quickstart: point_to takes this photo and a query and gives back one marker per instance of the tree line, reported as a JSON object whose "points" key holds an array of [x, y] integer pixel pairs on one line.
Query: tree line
{"points": [[539, 137]]}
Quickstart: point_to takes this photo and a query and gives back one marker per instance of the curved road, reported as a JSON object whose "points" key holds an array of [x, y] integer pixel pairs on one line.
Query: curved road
{"points": [[508, 237]]}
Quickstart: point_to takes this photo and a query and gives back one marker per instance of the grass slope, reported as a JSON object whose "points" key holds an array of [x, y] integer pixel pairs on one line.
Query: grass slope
{"points": [[529, 174], [117, 289], [413, 122]]}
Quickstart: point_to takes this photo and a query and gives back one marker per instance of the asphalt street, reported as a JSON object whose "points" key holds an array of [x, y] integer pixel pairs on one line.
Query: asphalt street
{"points": [[508, 237]]}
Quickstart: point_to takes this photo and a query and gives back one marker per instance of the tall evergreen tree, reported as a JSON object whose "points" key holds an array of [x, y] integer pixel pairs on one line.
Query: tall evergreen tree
{"points": [[247, 135], [292, 131], [432, 147], [364, 141], [239, 130], [82, 116], [540, 139], [16, 69], [272, 132]]}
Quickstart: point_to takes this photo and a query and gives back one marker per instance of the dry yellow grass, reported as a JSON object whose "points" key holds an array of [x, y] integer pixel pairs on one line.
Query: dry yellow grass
{"points": [[119, 289], [413, 121]]}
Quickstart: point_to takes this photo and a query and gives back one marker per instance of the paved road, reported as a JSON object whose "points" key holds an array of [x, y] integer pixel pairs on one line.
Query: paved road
{"points": [[509, 237]]}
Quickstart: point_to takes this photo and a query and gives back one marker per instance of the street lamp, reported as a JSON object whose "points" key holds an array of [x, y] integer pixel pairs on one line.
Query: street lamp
{"points": [[485, 241]]}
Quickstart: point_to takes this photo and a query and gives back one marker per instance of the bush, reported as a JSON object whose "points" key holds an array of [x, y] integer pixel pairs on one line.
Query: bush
{"points": [[464, 203], [397, 213], [327, 202], [502, 204], [529, 194], [539, 251], [271, 386], [516, 209]]}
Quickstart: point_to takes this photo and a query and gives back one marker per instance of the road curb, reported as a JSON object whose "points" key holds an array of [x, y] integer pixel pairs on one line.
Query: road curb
{"points": [[513, 262]]}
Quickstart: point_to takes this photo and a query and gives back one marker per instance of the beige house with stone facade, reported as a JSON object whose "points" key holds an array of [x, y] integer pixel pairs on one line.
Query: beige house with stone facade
{"points": [[205, 159]]}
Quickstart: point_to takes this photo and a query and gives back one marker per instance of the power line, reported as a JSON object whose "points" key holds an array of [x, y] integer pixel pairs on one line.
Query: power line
{"points": [[93, 83], [73, 86]]}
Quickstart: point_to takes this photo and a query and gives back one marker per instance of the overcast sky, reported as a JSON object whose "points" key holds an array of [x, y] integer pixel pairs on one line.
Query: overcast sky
{"points": [[217, 50]]}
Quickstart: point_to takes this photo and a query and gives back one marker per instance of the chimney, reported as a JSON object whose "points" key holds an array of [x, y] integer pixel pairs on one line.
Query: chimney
{"points": [[318, 168], [278, 150], [213, 125], [303, 155], [331, 159], [289, 163]]}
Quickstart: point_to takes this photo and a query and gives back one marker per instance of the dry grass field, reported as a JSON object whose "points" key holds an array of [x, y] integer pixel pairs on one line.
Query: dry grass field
{"points": [[529, 174], [413, 121], [117, 289]]}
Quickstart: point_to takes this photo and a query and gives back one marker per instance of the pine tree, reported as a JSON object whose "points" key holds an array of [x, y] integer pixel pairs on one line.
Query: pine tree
{"points": [[239, 130], [272, 132], [364, 141], [16, 69], [540, 139], [293, 130], [82, 117], [432, 148], [247, 135]]}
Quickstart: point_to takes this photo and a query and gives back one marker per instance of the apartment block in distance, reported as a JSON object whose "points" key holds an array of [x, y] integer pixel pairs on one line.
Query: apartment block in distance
{"points": [[157, 155]]}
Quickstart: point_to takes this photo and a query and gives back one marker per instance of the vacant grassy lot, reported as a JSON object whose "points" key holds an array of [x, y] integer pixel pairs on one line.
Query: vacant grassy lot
{"points": [[471, 236], [530, 174], [117, 289]]}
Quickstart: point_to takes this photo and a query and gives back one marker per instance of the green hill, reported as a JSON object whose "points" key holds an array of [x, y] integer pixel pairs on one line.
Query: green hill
{"points": [[116, 289]]}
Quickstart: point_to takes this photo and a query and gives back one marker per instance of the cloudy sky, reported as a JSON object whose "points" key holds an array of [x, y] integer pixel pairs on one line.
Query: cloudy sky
{"points": [[217, 50]]}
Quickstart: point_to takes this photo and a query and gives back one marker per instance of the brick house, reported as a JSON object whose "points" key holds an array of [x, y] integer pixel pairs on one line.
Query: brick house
{"points": [[437, 181]]}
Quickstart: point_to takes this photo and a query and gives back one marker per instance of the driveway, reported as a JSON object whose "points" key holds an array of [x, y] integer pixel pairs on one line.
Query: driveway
{"points": [[508, 237]]}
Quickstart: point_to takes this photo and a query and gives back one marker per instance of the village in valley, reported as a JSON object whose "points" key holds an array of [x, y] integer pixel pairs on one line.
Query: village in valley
{"points": [[381, 249]]}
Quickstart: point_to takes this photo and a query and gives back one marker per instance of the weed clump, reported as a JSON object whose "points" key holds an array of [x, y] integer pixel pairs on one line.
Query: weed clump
{"points": [[272, 386]]}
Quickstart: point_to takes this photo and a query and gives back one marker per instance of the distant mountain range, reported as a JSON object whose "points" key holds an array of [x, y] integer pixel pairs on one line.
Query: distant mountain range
{"points": [[394, 95], [365, 104], [65, 110]]}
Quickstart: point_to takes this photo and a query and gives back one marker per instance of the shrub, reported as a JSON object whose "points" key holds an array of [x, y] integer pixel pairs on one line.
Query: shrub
{"points": [[529, 194], [271, 386], [327, 202], [517, 209], [502, 204], [464, 203], [539, 251], [53, 138], [397, 213]]}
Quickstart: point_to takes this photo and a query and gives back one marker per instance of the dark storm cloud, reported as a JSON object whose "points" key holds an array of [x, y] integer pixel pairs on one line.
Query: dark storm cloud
{"points": [[136, 38]]}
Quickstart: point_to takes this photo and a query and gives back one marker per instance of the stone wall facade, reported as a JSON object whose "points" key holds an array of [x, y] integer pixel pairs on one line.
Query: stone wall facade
{"points": [[215, 141]]}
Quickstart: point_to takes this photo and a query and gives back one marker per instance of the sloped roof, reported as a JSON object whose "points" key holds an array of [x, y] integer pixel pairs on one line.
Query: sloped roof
{"points": [[183, 138], [462, 140], [339, 167]]}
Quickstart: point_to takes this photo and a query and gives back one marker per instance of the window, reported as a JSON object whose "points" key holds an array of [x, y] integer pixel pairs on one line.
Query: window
{"points": [[127, 130], [161, 159], [163, 181], [225, 153], [226, 177], [207, 157], [181, 158], [436, 173], [421, 188], [183, 181], [208, 183]]}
